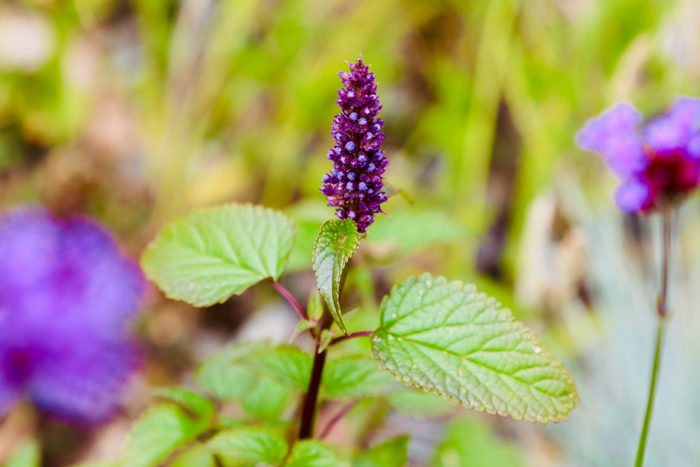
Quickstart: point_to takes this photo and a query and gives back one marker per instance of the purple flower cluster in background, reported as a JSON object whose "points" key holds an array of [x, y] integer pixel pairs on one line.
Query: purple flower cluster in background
{"points": [[659, 161], [354, 186], [66, 298]]}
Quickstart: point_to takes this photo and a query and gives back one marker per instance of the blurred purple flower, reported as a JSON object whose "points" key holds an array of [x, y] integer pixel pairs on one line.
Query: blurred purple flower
{"points": [[66, 298], [659, 162], [354, 186]]}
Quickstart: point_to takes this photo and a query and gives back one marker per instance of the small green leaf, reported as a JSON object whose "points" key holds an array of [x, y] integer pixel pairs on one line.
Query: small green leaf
{"points": [[25, 455], [158, 432], [208, 255], [355, 376], [312, 454], [302, 326], [315, 306], [335, 244], [267, 399], [249, 446], [225, 375], [188, 399], [195, 456], [325, 339], [392, 453], [263, 379], [449, 339]]}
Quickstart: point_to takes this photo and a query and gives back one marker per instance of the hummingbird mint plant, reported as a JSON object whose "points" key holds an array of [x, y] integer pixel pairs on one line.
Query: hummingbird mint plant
{"points": [[434, 335], [659, 164]]}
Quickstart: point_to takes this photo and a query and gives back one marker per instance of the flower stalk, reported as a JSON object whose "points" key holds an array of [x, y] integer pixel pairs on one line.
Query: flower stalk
{"points": [[662, 313]]}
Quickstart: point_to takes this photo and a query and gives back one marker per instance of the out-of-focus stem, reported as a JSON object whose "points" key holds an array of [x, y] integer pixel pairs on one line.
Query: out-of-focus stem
{"points": [[662, 311]]}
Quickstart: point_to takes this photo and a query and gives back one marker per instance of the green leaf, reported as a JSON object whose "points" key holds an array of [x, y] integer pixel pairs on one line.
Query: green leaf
{"points": [[208, 255], [158, 432], [263, 379], [472, 443], [302, 326], [355, 376], [249, 446], [190, 400], [25, 455], [315, 306], [325, 339], [335, 244], [195, 456], [449, 339], [312, 454], [224, 373], [392, 453], [267, 399]]}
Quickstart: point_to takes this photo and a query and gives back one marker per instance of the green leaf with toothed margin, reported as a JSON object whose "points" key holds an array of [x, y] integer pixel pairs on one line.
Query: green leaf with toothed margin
{"points": [[209, 255], [335, 244], [449, 339], [309, 453], [249, 446]]}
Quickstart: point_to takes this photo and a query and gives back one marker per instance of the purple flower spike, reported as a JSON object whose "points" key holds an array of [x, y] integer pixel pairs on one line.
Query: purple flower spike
{"points": [[358, 136], [659, 162], [66, 298]]}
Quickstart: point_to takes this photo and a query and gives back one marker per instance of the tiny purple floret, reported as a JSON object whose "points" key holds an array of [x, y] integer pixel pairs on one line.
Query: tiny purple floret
{"points": [[357, 151], [658, 161], [67, 295]]}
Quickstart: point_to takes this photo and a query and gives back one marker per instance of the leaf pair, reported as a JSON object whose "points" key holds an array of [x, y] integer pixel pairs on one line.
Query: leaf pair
{"points": [[438, 336], [209, 255]]}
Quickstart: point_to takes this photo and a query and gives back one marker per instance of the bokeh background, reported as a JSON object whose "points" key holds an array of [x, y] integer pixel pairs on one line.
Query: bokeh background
{"points": [[135, 111]]}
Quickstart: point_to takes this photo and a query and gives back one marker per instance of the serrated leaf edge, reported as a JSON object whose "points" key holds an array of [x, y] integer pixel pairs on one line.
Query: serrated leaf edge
{"points": [[292, 224], [334, 307], [442, 280]]}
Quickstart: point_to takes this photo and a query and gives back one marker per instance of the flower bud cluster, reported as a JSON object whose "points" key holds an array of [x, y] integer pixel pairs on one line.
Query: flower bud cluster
{"points": [[354, 186]]}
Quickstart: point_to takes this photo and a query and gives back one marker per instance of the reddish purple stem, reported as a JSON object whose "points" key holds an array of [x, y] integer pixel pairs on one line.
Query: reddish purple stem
{"points": [[352, 335], [290, 298]]}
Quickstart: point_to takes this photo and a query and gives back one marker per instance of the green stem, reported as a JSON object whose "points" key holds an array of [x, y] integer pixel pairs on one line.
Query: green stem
{"points": [[661, 325], [639, 461]]}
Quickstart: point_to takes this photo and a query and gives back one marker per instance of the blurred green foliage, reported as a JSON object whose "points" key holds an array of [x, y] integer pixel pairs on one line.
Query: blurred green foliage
{"points": [[140, 110], [234, 99]]}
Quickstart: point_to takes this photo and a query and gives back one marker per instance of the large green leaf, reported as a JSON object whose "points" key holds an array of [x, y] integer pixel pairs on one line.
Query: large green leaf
{"points": [[208, 255], [449, 339], [355, 376], [249, 446], [158, 433], [310, 453], [392, 453], [335, 244]]}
